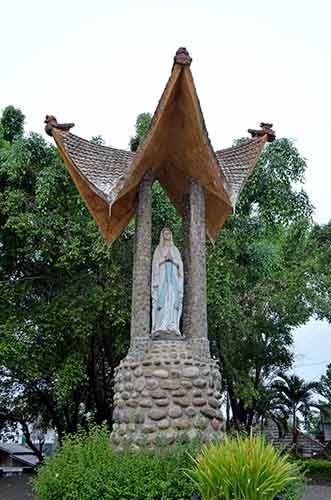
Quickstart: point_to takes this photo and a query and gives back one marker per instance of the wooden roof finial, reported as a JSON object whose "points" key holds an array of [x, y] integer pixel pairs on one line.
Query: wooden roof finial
{"points": [[51, 122], [266, 129], [182, 57]]}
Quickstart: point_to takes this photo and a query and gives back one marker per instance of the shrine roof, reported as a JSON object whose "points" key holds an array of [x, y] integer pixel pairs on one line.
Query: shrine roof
{"points": [[238, 162], [176, 147]]}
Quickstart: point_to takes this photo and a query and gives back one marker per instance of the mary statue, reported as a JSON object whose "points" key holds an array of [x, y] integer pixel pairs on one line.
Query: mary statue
{"points": [[167, 286]]}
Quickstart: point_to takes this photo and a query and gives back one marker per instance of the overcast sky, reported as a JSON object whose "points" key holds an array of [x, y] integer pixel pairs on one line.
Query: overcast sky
{"points": [[101, 63]]}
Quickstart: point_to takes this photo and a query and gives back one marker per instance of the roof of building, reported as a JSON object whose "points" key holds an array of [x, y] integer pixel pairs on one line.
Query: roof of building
{"points": [[14, 448], [20, 453], [176, 147]]}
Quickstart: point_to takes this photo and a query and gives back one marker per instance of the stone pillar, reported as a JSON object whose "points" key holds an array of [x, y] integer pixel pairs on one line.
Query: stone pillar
{"points": [[142, 261], [195, 301], [186, 256]]}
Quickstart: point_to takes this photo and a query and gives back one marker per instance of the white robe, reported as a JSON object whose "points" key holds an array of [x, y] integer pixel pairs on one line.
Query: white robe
{"points": [[167, 289]]}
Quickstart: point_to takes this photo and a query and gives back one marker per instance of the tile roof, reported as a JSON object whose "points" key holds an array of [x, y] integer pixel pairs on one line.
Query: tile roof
{"points": [[175, 148], [238, 162], [103, 167]]}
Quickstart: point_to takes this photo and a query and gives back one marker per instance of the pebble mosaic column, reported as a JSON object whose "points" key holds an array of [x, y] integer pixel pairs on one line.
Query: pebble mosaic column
{"points": [[141, 282], [195, 302]]}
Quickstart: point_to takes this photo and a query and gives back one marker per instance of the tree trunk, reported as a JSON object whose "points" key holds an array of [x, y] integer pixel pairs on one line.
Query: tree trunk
{"points": [[37, 451]]}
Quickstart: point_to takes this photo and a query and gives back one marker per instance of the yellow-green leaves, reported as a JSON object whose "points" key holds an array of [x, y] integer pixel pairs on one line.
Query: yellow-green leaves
{"points": [[241, 469]]}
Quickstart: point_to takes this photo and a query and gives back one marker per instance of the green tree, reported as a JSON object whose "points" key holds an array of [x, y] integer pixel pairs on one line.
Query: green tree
{"points": [[12, 123], [295, 396], [141, 128], [324, 386], [259, 279], [64, 296]]}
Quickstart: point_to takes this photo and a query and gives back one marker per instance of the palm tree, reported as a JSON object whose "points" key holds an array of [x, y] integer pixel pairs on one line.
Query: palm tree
{"points": [[293, 396]]}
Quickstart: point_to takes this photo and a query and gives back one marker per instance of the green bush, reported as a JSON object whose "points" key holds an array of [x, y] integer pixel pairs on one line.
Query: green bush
{"points": [[87, 468], [315, 467], [244, 468]]}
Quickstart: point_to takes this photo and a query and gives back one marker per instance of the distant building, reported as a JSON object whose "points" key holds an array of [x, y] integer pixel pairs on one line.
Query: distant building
{"points": [[307, 446], [16, 458], [326, 423]]}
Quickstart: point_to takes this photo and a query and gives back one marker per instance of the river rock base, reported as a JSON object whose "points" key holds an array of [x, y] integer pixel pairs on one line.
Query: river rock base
{"points": [[165, 391]]}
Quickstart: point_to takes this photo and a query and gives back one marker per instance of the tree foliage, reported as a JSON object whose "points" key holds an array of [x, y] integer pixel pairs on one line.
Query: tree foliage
{"points": [[12, 124], [65, 295], [260, 284], [294, 396], [142, 125], [64, 323]]}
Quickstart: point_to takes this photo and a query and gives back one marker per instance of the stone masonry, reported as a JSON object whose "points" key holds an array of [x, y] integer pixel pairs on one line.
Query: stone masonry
{"points": [[195, 285], [168, 388], [171, 392], [141, 283]]}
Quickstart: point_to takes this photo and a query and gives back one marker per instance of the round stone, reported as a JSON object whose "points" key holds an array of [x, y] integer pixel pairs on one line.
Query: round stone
{"points": [[199, 382], [190, 372], [199, 402], [133, 365], [175, 412], [197, 394], [179, 394], [132, 403], [131, 427], [139, 418], [146, 362], [170, 385], [152, 384], [158, 395], [146, 403], [183, 402], [216, 424], [164, 424], [145, 394], [148, 428], [205, 372], [208, 412], [118, 417], [140, 384], [126, 417], [160, 373], [127, 376], [170, 437], [148, 373], [138, 372], [122, 429], [125, 395], [182, 423], [213, 402], [157, 414], [201, 423], [162, 402], [190, 412], [187, 384], [175, 373]]}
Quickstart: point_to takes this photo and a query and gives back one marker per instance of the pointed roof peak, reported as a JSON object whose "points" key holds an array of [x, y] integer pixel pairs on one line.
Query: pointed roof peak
{"points": [[182, 57]]}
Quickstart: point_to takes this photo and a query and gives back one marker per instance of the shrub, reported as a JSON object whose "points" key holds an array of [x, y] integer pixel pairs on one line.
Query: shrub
{"points": [[87, 468], [243, 469], [315, 467]]}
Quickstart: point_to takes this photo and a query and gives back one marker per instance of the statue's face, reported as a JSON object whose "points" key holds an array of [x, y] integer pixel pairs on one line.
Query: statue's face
{"points": [[167, 235]]}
